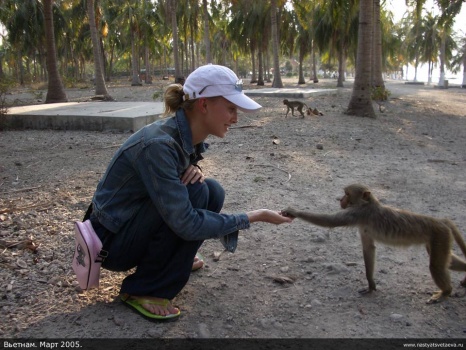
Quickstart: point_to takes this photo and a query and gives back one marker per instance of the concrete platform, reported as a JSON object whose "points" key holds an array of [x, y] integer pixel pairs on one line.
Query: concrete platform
{"points": [[414, 83], [118, 116], [96, 116]]}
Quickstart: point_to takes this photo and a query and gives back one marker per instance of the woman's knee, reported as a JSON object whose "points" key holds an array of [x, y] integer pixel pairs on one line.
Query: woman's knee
{"points": [[216, 195], [207, 195], [215, 189]]}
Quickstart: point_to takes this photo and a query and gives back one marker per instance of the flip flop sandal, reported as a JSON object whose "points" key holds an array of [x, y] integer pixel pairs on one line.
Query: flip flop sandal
{"points": [[201, 258], [136, 305]]}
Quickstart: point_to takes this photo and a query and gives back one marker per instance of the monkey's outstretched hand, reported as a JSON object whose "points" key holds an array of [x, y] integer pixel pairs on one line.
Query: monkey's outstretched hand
{"points": [[289, 212]]}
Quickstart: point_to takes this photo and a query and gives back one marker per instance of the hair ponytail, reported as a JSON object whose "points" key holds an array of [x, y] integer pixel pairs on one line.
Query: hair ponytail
{"points": [[174, 99]]}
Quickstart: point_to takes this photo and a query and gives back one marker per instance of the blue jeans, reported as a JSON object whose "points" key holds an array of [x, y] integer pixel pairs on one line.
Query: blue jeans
{"points": [[162, 259]]}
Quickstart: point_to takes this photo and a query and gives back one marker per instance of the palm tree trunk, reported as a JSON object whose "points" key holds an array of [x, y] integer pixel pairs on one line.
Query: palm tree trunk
{"points": [[302, 51], [103, 60], [341, 66], [267, 66], [178, 75], [208, 56], [193, 50], [135, 81], [430, 67], [463, 85], [442, 58], [315, 79], [277, 79], [260, 80], [100, 87], [147, 65], [377, 73], [253, 62], [361, 103], [55, 90]]}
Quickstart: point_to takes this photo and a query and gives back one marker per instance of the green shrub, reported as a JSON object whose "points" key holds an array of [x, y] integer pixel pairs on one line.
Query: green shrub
{"points": [[158, 95], [380, 93], [4, 86]]}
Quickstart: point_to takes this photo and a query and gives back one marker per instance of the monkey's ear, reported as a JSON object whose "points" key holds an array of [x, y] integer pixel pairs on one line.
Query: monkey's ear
{"points": [[366, 195]]}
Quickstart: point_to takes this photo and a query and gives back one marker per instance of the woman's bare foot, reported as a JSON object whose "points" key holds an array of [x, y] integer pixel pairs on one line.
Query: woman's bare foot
{"points": [[197, 263]]}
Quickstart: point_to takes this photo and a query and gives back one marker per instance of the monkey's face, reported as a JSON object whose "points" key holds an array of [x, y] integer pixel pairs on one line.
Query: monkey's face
{"points": [[285, 102], [345, 201], [351, 199], [355, 196]]}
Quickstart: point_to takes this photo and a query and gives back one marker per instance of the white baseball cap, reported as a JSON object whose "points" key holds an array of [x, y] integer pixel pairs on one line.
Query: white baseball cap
{"points": [[213, 80]]}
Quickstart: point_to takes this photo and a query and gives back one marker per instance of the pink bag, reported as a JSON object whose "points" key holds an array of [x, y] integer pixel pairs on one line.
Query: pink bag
{"points": [[88, 255]]}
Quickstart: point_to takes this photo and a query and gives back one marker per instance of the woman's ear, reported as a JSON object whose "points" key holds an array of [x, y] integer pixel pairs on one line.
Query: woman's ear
{"points": [[202, 104]]}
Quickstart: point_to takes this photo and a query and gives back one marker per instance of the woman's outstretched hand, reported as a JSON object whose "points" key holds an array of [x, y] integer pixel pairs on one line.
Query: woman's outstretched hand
{"points": [[270, 216]]}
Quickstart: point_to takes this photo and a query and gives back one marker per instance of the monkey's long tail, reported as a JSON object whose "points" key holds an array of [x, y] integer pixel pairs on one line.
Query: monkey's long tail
{"points": [[458, 237]]}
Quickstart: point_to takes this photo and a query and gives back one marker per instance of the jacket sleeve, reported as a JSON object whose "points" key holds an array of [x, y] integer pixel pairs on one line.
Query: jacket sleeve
{"points": [[159, 169]]}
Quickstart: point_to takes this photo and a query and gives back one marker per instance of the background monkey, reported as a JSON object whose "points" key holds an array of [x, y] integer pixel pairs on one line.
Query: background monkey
{"points": [[291, 105], [377, 222], [299, 106]]}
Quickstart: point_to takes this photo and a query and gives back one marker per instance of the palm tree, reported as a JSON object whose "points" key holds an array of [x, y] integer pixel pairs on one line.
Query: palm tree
{"points": [[263, 23], [174, 24], [303, 35], [377, 51], [335, 31], [205, 13], [76, 38], [189, 13], [147, 32], [463, 85], [449, 10], [100, 87], [277, 79], [430, 49], [315, 18], [447, 47], [416, 35], [55, 91], [134, 28], [244, 29], [128, 17], [360, 103], [392, 38], [4, 15], [238, 28], [25, 27]]}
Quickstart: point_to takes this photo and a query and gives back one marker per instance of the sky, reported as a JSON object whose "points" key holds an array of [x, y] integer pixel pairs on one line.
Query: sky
{"points": [[398, 7]]}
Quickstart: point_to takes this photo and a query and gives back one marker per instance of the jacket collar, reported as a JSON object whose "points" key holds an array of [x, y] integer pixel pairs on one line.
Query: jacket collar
{"points": [[186, 135]]}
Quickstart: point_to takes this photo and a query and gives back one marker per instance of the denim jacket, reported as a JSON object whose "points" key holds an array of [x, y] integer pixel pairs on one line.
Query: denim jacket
{"points": [[150, 164]]}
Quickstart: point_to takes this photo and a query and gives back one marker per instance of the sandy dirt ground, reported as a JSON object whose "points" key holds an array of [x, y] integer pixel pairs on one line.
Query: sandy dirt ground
{"points": [[290, 281]]}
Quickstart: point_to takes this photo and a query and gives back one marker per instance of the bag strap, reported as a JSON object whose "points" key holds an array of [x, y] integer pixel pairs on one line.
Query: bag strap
{"points": [[101, 256], [87, 216]]}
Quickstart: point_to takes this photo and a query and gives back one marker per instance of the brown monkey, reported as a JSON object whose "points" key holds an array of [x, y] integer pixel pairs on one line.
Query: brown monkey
{"points": [[291, 105], [377, 222]]}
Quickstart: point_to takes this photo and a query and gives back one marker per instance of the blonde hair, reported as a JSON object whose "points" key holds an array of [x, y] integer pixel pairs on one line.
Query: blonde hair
{"points": [[173, 98]]}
